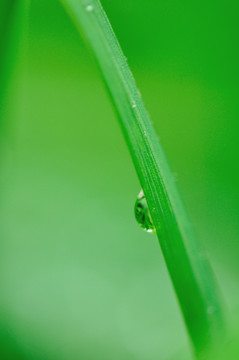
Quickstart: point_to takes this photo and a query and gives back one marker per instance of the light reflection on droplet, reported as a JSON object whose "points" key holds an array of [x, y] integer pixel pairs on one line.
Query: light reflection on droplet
{"points": [[89, 8]]}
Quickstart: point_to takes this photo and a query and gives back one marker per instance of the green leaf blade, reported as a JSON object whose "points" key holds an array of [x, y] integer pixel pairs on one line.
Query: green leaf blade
{"points": [[188, 267]]}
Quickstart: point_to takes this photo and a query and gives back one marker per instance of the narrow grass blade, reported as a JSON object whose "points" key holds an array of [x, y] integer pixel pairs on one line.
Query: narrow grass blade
{"points": [[11, 19], [190, 272]]}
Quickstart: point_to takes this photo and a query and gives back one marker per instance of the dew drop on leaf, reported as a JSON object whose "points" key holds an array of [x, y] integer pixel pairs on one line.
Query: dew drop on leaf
{"points": [[142, 213]]}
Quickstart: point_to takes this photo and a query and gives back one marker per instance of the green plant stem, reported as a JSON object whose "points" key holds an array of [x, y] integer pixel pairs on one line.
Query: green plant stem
{"points": [[12, 13], [188, 267]]}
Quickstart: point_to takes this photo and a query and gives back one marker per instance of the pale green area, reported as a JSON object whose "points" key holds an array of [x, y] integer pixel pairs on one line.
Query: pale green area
{"points": [[79, 279]]}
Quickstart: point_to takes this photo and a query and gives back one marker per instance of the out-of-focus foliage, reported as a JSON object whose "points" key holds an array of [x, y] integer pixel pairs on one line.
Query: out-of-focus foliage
{"points": [[78, 277]]}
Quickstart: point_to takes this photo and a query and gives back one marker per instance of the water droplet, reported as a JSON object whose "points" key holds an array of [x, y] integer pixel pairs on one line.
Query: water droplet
{"points": [[142, 213], [89, 8], [133, 104]]}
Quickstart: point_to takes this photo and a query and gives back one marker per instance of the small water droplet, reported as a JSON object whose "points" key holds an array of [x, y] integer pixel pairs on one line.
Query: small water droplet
{"points": [[142, 213], [133, 104], [89, 8]]}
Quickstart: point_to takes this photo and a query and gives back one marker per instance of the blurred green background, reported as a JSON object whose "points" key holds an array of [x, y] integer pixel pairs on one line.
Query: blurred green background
{"points": [[78, 278]]}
